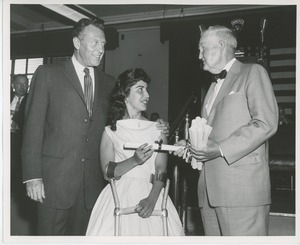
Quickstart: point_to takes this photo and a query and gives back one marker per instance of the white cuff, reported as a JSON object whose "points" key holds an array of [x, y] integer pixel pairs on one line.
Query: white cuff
{"points": [[31, 180]]}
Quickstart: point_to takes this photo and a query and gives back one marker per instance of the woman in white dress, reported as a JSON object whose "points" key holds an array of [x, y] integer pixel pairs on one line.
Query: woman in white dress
{"points": [[132, 168]]}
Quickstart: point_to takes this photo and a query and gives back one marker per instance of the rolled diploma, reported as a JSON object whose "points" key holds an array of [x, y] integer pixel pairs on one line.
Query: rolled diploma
{"points": [[164, 147], [193, 136]]}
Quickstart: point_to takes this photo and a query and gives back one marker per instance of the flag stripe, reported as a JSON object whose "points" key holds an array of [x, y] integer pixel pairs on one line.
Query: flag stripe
{"points": [[280, 51], [284, 74], [284, 81], [281, 87], [286, 99], [282, 69], [285, 93], [276, 63]]}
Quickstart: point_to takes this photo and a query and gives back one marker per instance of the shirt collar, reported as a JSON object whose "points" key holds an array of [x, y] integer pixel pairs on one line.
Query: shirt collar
{"points": [[78, 67], [229, 64]]}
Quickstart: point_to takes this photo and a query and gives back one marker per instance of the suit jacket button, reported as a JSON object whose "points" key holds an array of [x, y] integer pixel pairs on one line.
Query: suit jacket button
{"points": [[87, 139], [82, 159], [86, 120]]}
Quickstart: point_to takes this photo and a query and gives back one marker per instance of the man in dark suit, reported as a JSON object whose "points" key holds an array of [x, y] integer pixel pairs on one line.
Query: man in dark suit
{"points": [[18, 98], [234, 185], [64, 119]]}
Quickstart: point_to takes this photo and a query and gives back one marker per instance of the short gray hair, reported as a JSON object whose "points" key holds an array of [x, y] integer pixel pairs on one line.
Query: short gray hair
{"points": [[224, 33]]}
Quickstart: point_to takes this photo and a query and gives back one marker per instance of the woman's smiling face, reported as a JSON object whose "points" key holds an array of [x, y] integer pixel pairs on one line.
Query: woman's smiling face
{"points": [[138, 98]]}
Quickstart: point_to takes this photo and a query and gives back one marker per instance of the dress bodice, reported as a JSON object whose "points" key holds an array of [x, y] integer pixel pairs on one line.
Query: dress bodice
{"points": [[137, 131]]}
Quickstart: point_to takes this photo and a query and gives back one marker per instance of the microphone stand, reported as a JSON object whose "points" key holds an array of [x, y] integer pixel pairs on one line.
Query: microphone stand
{"points": [[175, 126], [261, 60], [183, 116]]}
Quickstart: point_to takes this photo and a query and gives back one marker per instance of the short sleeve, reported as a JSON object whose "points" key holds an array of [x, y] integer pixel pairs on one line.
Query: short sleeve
{"points": [[109, 132]]}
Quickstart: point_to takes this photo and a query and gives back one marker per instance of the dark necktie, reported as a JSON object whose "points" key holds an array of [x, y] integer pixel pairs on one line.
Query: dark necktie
{"points": [[221, 75], [88, 91]]}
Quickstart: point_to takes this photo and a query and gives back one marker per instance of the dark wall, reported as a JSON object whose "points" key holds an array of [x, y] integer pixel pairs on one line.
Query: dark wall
{"points": [[51, 43]]}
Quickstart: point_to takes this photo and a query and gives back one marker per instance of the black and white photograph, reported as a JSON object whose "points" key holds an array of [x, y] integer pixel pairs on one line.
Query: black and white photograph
{"points": [[156, 122]]}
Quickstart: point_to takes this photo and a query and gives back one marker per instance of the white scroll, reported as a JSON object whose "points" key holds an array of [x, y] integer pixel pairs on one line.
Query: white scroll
{"points": [[161, 147]]}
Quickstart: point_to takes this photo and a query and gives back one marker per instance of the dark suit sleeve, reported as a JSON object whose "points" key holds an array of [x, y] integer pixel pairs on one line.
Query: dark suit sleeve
{"points": [[34, 122]]}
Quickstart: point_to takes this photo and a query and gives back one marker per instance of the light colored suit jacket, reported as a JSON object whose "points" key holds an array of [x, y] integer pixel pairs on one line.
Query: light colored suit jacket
{"points": [[61, 144], [244, 116]]}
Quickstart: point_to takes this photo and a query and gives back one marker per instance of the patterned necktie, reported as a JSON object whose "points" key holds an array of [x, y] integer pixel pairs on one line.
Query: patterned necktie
{"points": [[18, 104], [88, 91]]}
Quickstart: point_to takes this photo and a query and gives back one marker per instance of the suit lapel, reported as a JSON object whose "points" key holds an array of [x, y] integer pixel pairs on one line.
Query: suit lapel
{"points": [[73, 78], [231, 76], [209, 92], [96, 93], [12, 95]]}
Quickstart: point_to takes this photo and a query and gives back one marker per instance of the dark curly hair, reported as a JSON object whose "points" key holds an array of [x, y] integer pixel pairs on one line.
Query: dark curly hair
{"points": [[121, 90]]}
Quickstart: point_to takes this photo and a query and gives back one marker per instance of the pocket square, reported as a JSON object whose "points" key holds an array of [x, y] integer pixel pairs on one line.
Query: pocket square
{"points": [[232, 92]]}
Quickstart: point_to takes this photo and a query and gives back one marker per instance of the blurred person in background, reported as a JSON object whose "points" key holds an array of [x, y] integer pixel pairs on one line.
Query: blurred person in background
{"points": [[19, 85]]}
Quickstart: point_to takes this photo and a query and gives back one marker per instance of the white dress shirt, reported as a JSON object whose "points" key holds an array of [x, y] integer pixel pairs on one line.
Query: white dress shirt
{"points": [[80, 73], [214, 95], [13, 105], [14, 102], [217, 87]]}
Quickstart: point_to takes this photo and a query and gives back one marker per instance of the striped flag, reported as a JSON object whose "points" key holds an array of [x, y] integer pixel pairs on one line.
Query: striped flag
{"points": [[283, 76]]}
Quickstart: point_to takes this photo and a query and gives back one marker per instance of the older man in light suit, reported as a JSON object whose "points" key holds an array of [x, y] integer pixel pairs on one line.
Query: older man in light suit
{"points": [[234, 185]]}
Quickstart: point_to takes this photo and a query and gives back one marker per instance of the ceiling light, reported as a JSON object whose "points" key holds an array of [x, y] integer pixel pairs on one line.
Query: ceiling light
{"points": [[65, 11]]}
